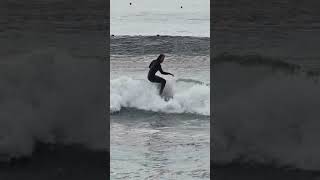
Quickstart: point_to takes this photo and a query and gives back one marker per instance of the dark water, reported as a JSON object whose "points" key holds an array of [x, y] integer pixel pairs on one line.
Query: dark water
{"points": [[283, 29], [266, 89], [53, 85], [57, 162], [56, 27]]}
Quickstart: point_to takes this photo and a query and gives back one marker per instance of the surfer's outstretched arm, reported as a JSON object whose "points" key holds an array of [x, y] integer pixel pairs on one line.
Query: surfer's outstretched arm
{"points": [[165, 73]]}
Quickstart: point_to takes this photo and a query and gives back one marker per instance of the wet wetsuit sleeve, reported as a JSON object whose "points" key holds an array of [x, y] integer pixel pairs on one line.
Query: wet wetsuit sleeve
{"points": [[162, 72]]}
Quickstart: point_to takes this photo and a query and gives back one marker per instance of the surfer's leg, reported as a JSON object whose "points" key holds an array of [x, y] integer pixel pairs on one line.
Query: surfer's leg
{"points": [[162, 81]]}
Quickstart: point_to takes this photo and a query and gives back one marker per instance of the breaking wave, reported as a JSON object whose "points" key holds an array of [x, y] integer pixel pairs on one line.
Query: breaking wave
{"points": [[188, 97], [264, 115], [51, 101]]}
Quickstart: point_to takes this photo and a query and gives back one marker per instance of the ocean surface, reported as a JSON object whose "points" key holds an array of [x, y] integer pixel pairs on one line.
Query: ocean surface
{"points": [[166, 17], [266, 90], [151, 138], [52, 89]]}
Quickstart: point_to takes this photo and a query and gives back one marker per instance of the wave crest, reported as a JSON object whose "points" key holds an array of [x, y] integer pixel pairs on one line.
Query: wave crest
{"points": [[141, 94], [268, 118]]}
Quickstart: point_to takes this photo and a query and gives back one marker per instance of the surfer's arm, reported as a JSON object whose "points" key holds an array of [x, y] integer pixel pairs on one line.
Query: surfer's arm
{"points": [[162, 72]]}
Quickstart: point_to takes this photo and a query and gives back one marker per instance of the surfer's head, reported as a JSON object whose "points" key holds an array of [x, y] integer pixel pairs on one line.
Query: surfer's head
{"points": [[161, 58]]}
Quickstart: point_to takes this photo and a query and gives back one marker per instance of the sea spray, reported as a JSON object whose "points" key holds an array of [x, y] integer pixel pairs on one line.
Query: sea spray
{"points": [[141, 94]]}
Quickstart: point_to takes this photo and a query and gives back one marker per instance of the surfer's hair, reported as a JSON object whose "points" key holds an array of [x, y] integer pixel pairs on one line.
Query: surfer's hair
{"points": [[160, 56]]}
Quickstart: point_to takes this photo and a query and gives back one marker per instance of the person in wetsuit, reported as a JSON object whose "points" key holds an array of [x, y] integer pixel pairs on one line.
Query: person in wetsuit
{"points": [[155, 66]]}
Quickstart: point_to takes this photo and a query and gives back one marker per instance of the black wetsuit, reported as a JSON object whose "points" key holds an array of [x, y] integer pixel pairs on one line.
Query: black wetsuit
{"points": [[155, 66]]}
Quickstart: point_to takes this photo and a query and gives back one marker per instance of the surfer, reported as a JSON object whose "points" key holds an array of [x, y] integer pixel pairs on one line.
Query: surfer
{"points": [[155, 66]]}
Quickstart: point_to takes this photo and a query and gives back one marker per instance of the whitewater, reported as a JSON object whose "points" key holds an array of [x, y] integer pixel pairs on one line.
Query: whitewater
{"points": [[141, 94]]}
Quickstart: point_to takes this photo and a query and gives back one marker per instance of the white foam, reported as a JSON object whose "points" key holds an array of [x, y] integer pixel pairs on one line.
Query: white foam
{"points": [[141, 94]]}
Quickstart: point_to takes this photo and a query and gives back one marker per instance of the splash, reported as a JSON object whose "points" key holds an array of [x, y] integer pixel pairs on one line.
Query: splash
{"points": [[143, 95]]}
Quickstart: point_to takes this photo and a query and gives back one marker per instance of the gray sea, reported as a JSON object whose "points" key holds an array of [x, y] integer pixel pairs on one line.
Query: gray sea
{"points": [[166, 17], [152, 138], [266, 89], [53, 90]]}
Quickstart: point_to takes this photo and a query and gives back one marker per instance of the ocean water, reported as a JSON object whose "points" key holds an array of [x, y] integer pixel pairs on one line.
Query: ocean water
{"points": [[152, 138], [53, 87], [166, 17], [266, 90]]}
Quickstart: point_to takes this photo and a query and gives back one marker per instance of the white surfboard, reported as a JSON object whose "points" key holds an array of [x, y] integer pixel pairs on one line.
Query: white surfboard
{"points": [[168, 91]]}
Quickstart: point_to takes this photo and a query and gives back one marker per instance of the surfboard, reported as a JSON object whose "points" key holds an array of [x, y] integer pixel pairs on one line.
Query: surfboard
{"points": [[168, 90]]}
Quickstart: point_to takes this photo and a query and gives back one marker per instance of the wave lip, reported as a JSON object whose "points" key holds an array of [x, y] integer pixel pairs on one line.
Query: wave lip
{"points": [[143, 95]]}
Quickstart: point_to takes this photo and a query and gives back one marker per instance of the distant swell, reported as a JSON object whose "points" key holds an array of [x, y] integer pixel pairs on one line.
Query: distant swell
{"points": [[256, 60], [143, 95], [146, 45]]}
